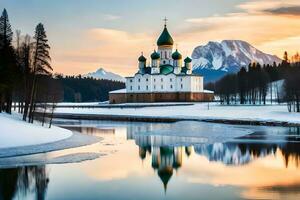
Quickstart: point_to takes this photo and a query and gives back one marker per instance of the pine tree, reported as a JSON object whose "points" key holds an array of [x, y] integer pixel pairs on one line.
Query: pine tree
{"points": [[7, 63], [41, 62], [6, 33]]}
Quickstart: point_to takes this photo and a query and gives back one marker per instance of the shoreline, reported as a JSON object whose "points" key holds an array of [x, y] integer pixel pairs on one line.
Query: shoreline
{"points": [[138, 118], [76, 140]]}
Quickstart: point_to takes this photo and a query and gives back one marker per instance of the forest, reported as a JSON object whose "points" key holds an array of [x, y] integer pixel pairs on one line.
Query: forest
{"points": [[26, 75], [258, 84]]}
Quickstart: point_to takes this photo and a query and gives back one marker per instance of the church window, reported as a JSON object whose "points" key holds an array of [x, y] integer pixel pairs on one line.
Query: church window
{"points": [[164, 62], [130, 87], [147, 80], [181, 79], [181, 86], [139, 80], [171, 86], [162, 87], [162, 80], [139, 87], [147, 87], [130, 80], [166, 54], [154, 87], [154, 80], [170, 79]]}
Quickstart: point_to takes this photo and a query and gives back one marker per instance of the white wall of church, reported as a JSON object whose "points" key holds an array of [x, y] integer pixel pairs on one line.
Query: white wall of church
{"points": [[165, 55], [164, 83]]}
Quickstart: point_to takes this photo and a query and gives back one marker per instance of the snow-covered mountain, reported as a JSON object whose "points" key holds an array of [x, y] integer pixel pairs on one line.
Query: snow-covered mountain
{"points": [[102, 74], [216, 59]]}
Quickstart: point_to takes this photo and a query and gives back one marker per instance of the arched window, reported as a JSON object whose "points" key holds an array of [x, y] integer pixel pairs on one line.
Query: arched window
{"points": [[171, 86], [166, 55]]}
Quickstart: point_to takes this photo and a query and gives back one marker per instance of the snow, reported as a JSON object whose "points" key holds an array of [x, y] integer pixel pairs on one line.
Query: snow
{"points": [[102, 74], [217, 62], [229, 54], [199, 111], [16, 133], [118, 91]]}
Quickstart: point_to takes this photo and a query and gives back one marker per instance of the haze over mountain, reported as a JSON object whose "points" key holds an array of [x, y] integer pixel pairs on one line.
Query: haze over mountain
{"points": [[102, 74], [216, 59]]}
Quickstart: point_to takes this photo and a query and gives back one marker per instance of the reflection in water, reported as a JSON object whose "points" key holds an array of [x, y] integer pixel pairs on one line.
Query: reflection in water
{"points": [[262, 165], [166, 152], [23, 181]]}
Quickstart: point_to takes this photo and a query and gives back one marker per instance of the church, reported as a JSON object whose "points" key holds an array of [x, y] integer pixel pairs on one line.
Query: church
{"points": [[167, 78]]}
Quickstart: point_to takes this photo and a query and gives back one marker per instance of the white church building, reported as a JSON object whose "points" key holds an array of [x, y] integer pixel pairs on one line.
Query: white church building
{"points": [[168, 78]]}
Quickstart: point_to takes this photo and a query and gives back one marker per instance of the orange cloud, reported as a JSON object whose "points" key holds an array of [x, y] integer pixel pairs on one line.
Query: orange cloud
{"points": [[117, 50]]}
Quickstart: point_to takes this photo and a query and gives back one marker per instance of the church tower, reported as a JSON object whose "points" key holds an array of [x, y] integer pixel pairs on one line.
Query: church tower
{"points": [[155, 59], [165, 46]]}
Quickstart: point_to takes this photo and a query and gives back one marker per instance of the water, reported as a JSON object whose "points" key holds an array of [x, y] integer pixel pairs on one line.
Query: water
{"points": [[186, 160]]}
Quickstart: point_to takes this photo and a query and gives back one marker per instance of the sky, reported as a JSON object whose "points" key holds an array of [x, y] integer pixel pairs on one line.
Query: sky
{"points": [[85, 35]]}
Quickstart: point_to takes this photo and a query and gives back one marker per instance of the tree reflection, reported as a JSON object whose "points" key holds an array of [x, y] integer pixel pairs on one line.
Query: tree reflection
{"points": [[23, 181]]}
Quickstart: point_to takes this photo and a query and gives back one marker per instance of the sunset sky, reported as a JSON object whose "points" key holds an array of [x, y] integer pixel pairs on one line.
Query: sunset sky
{"points": [[88, 34]]}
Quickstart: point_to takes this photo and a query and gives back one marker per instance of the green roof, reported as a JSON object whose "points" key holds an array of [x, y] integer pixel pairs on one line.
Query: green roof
{"points": [[184, 70], [176, 55], [166, 69], [187, 60], [165, 38], [142, 58], [155, 55]]}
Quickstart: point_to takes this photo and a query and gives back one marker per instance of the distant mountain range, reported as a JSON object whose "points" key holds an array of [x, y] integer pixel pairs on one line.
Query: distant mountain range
{"points": [[102, 74], [217, 59]]}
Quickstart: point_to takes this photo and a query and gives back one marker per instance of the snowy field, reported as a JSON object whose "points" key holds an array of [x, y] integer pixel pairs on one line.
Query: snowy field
{"points": [[16, 133], [268, 113]]}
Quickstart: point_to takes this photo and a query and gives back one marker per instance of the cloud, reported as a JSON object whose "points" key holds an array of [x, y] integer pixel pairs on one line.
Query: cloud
{"points": [[292, 10], [269, 32], [264, 24]]}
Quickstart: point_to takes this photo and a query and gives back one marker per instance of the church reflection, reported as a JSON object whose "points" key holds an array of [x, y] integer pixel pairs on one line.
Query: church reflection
{"points": [[167, 157], [167, 152], [23, 181]]}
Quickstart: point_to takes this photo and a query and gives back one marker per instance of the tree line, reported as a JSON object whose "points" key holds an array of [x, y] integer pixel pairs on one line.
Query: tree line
{"points": [[87, 89], [258, 83]]}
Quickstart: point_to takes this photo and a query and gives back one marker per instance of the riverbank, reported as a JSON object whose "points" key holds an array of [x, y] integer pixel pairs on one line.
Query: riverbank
{"points": [[21, 138], [269, 115]]}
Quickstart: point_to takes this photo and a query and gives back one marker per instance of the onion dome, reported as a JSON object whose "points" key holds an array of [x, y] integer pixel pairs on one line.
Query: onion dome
{"points": [[142, 58], [176, 55], [155, 55], [165, 38], [187, 60]]}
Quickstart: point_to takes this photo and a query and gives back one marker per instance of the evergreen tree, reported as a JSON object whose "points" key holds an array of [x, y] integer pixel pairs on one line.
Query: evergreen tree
{"points": [[7, 63], [41, 62], [6, 33]]}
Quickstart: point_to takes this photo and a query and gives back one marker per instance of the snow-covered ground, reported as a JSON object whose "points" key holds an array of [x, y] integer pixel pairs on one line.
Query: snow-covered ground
{"points": [[269, 113], [16, 133]]}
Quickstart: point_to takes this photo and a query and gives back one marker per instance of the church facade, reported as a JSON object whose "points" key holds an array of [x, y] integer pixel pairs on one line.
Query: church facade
{"points": [[168, 78]]}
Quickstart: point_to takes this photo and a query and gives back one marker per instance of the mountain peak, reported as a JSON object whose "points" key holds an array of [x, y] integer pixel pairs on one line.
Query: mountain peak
{"points": [[101, 73], [228, 56]]}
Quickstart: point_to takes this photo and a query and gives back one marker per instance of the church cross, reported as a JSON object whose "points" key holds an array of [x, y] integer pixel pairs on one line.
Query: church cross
{"points": [[165, 20]]}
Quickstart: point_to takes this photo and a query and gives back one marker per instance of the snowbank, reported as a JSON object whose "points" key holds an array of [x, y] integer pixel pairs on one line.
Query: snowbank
{"points": [[198, 111], [16, 133]]}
